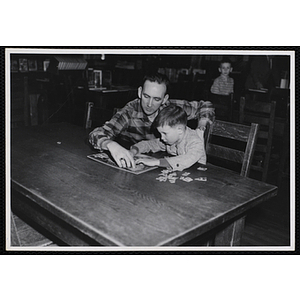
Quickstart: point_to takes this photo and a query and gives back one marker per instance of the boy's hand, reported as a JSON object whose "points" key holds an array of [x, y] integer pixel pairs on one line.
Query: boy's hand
{"points": [[133, 152], [148, 161]]}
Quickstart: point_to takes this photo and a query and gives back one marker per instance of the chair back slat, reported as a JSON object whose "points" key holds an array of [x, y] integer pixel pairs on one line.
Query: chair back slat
{"points": [[262, 120], [263, 135], [261, 148], [237, 132], [225, 153], [222, 139], [258, 106]]}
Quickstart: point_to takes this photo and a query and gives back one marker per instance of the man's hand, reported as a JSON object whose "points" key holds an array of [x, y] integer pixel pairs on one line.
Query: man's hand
{"points": [[148, 161], [93, 139], [122, 156]]}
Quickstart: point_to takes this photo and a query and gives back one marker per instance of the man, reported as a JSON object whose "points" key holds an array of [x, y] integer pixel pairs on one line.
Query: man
{"points": [[263, 73], [134, 122]]}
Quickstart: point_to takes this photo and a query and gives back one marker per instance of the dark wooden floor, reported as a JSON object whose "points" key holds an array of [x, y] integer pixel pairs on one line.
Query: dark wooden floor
{"points": [[24, 235], [269, 223]]}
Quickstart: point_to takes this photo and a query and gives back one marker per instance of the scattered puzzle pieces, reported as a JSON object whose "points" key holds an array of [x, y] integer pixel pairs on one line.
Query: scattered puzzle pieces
{"points": [[161, 178], [202, 169], [201, 178], [186, 174], [168, 175], [186, 179], [165, 171]]}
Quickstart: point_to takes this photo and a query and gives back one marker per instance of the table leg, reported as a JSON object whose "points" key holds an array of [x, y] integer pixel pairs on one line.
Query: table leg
{"points": [[231, 235], [54, 225]]}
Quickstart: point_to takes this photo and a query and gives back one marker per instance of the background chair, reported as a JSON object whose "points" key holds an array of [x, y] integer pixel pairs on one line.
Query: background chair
{"points": [[231, 143], [223, 106], [257, 95], [262, 113], [95, 116]]}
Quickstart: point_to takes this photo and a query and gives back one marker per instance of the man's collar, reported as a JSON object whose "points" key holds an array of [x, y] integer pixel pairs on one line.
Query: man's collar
{"points": [[139, 113]]}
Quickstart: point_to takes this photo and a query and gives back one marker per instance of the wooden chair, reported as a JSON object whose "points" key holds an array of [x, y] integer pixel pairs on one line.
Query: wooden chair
{"points": [[223, 106], [262, 113], [232, 142], [283, 143], [257, 95], [95, 116]]}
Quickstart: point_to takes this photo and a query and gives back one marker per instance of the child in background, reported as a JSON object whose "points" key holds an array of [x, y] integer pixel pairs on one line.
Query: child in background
{"points": [[185, 144], [223, 85]]}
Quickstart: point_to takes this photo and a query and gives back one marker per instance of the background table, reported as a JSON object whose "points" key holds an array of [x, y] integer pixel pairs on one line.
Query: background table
{"points": [[113, 97], [84, 202]]}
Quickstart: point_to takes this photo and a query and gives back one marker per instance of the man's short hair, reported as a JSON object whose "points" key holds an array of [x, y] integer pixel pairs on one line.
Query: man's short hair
{"points": [[157, 77], [171, 115]]}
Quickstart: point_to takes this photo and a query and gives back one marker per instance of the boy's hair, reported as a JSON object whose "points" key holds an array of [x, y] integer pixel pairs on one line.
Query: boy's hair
{"points": [[225, 60], [157, 77], [171, 115]]}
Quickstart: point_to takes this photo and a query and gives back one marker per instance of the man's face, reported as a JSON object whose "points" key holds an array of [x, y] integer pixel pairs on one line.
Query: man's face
{"points": [[225, 69], [170, 135], [152, 96]]}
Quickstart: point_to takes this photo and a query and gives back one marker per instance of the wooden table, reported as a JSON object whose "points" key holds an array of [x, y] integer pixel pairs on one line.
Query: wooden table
{"points": [[84, 202]]}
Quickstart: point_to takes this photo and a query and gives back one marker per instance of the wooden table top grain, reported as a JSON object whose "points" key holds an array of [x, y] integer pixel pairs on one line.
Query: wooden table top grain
{"points": [[49, 165]]}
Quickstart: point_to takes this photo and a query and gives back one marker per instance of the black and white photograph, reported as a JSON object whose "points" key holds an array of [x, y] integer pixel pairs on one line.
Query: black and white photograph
{"points": [[150, 150], [213, 128]]}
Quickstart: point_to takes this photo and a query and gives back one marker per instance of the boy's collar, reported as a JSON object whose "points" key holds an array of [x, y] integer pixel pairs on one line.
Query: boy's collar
{"points": [[182, 138]]}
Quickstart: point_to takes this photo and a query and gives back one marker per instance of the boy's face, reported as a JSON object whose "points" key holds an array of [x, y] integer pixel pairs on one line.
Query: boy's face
{"points": [[225, 69], [170, 135], [152, 96]]}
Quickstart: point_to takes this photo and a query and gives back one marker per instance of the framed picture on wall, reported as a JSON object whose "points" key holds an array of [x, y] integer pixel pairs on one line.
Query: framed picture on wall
{"points": [[46, 64], [32, 65], [40, 65], [14, 65], [23, 65]]}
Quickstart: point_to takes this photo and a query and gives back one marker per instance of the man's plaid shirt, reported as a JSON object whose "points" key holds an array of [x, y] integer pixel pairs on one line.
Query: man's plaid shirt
{"points": [[132, 125]]}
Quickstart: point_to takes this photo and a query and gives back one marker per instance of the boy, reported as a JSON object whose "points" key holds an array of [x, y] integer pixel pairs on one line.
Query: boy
{"points": [[186, 145], [223, 85]]}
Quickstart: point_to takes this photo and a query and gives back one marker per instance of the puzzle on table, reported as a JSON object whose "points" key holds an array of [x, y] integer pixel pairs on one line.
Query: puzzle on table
{"points": [[106, 160]]}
